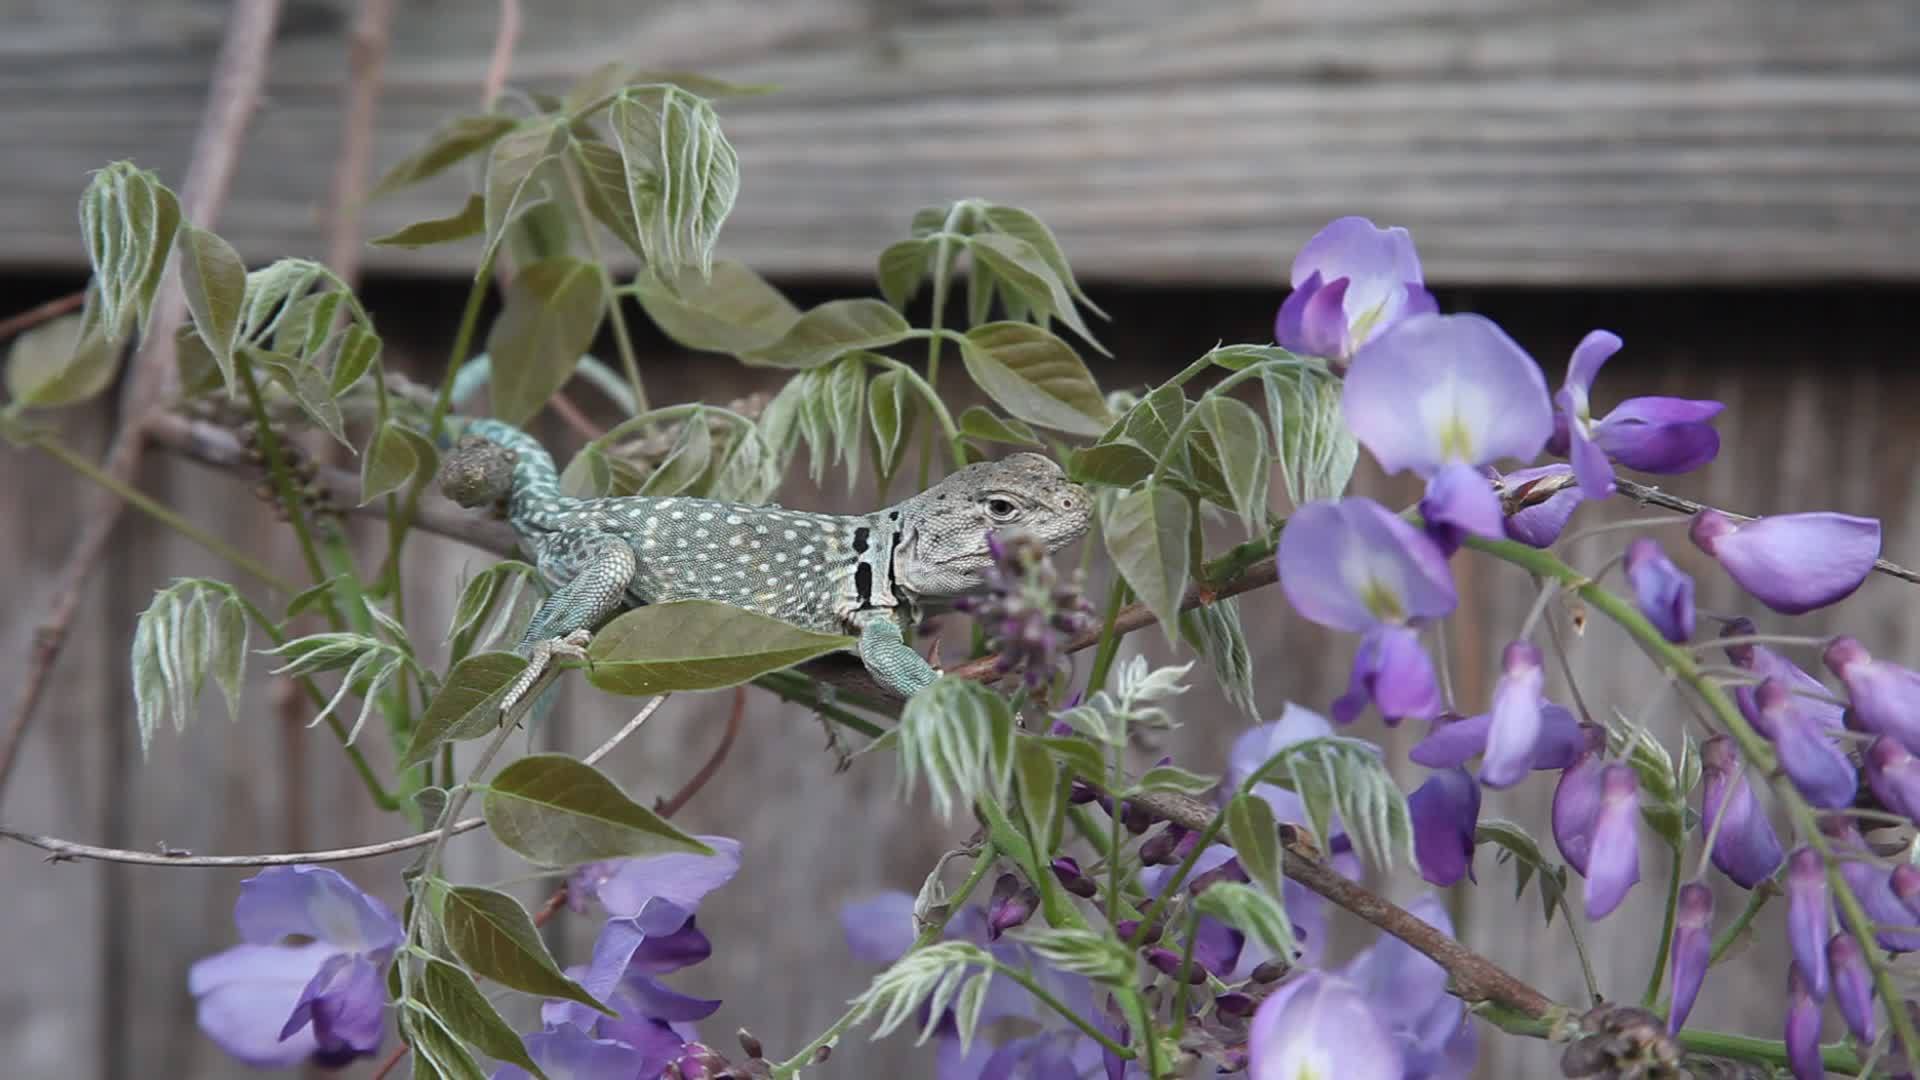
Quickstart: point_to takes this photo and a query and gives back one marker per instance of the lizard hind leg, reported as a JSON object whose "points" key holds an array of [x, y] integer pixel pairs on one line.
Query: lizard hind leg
{"points": [[592, 570]]}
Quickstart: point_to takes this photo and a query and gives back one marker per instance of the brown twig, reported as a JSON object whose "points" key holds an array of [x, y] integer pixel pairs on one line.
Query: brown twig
{"points": [[366, 61], [570, 414], [1653, 496], [506, 35], [391, 1060], [1474, 977], [39, 313], [671, 806], [239, 72]]}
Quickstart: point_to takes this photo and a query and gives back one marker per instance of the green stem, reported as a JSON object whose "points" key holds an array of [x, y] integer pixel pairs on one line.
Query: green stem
{"points": [[1046, 998], [1109, 641], [283, 480], [1753, 746], [1186, 966], [936, 319], [629, 361], [956, 446], [158, 512], [1756, 900], [982, 863], [1179, 436], [1659, 973], [798, 689], [1580, 950]]}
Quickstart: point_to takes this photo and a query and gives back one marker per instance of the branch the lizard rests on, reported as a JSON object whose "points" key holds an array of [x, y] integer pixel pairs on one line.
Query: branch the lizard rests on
{"points": [[867, 575]]}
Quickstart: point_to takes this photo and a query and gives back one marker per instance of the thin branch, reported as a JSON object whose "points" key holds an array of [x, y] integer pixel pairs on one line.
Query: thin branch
{"points": [[59, 850], [1473, 977], [1653, 496], [671, 806], [506, 34], [366, 61], [34, 316], [238, 75]]}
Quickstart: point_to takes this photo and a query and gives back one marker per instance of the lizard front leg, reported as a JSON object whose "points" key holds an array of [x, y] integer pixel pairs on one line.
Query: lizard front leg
{"points": [[593, 570], [893, 663]]}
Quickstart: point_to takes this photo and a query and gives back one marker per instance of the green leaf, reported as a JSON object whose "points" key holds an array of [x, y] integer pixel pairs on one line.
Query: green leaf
{"points": [[1333, 776], [494, 936], [1110, 464], [559, 812], [467, 1013], [843, 401], [829, 332], [1527, 857], [697, 645], [1256, 840], [359, 347], [890, 410], [1035, 376], [1241, 442], [687, 460], [309, 388], [1259, 914], [1146, 534], [903, 269], [481, 596], [128, 219], [732, 311], [63, 362], [467, 706], [390, 461], [1016, 265], [1175, 779], [1023, 225], [215, 281], [273, 296], [960, 735], [1152, 421], [1081, 757], [1317, 452], [437, 1049], [682, 174], [1080, 952], [897, 993], [1038, 783], [552, 311], [1214, 632], [1240, 357], [193, 627], [461, 139], [512, 165], [469, 220], [980, 422]]}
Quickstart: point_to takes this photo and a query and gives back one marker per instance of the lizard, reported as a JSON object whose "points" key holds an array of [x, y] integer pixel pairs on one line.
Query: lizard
{"points": [[868, 575]]}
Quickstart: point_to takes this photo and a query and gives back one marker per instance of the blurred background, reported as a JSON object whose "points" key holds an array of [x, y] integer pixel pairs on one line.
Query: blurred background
{"points": [[1731, 185]]}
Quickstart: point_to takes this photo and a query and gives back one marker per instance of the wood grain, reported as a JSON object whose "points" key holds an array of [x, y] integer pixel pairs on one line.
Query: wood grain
{"points": [[1524, 141]]}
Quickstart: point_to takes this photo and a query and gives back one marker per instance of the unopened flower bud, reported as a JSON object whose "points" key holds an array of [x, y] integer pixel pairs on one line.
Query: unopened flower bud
{"points": [[1233, 1004], [1167, 962], [1072, 879], [1012, 904]]}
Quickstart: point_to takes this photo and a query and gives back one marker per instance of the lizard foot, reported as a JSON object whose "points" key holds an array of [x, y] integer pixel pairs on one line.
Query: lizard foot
{"points": [[539, 658]]}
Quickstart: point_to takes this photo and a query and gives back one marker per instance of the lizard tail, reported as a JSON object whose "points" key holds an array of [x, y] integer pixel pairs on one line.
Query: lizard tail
{"points": [[536, 482]]}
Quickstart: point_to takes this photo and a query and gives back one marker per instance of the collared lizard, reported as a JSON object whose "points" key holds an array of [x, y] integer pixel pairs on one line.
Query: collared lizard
{"points": [[868, 575]]}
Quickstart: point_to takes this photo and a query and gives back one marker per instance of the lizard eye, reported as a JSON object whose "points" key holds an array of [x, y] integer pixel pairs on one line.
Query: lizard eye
{"points": [[1001, 509]]}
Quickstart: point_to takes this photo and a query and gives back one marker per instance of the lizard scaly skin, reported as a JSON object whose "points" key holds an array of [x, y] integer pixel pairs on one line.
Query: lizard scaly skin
{"points": [[868, 575]]}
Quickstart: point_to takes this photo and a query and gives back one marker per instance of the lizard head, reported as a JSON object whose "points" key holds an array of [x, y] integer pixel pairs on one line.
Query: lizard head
{"points": [[943, 530]]}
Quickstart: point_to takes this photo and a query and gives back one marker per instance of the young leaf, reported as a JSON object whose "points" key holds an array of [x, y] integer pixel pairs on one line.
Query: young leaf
{"points": [[1241, 443], [215, 281], [309, 388], [1016, 265], [479, 599], [553, 309], [896, 993], [697, 645], [467, 706], [1035, 376], [467, 1013], [274, 294], [128, 219], [603, 181], [1038, 781], [829, 332], [437, 1053], [559, 812], [1257, 913], [511, 167], [1175, 779], [960, 734], [1110, 464], [1081, 952], [1347, 777], [843, 405], [1081, 757], [469, 220], [1022, 225], [980, 422], [1146, 534], [890, 410], [63, 362], [903, 269], [389, 462], [1256, 840], [494, 936], [193, 627], [732, 311], [1527, 857], [682, 174], [1214, 632], [453, 143], [1317, 452]]}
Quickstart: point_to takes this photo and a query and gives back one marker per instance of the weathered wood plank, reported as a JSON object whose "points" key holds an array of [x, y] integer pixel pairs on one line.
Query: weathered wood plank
{"points": [[1523, 140]]}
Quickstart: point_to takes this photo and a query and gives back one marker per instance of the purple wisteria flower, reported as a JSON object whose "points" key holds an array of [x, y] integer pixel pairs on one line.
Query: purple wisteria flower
{"points": [[623, 886], [1807, 918], [1818, 768], [1408, 992], [1809, 698], [1663, 594], [1445, 811], [1011, 905], [1352, 565], [1893, 774], [1885, 696], [272, 1004], [1793, 563], [1576, 800], [1651, 434], [1613, 863], [1351, 282], [1745, 847], [1456, 740], [1514, 730], [1321, 1025], [1692, 949], [1539, 521], [1803, 1027], [1852, 985], [1443, 396]]}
